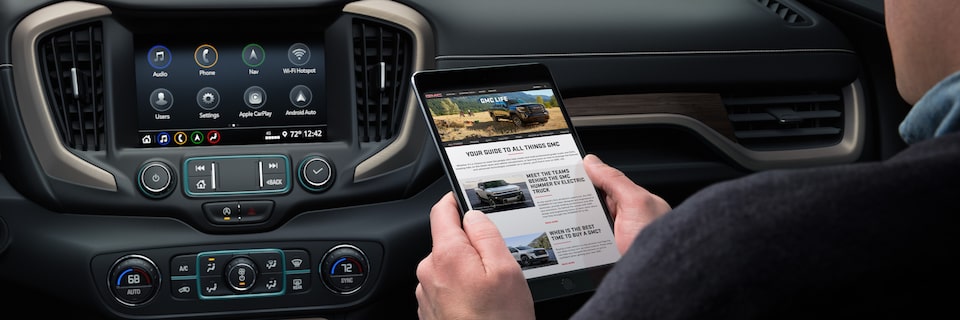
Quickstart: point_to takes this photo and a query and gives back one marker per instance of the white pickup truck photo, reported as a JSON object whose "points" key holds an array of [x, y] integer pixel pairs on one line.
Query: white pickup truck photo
{"points": [[499, 192]]}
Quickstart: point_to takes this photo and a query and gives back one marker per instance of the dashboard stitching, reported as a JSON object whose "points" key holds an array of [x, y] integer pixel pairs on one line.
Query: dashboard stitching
{"points": [[640, 53]]}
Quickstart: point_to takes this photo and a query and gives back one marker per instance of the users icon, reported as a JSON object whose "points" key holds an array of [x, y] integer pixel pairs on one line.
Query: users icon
{"points": [[161, 99]]}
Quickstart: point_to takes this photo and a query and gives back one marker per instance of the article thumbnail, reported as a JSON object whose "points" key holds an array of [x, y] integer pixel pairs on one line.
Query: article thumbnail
{"points": [[532, 250], [498, 193]]}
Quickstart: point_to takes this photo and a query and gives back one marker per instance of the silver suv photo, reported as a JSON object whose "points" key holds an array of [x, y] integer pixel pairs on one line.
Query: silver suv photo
{"points": [[526, 255]]}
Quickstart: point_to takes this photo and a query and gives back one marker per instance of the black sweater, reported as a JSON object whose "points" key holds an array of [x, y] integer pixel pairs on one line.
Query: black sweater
{"points": [[870, 240]]}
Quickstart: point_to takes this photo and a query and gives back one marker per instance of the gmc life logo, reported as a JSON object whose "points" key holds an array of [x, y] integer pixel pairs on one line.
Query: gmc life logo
{"points": [[493, 100]]}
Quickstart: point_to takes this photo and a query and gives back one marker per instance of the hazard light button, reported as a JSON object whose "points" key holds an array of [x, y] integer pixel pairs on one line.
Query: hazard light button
{"points": [[238, 212]]}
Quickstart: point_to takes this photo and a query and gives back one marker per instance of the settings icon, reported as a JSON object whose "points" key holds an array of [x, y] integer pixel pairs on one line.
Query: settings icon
{"points": [[208, 98]]}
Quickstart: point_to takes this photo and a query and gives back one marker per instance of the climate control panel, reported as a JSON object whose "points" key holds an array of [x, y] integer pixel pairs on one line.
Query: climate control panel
{"points": [[233, 274], [323, 272]]}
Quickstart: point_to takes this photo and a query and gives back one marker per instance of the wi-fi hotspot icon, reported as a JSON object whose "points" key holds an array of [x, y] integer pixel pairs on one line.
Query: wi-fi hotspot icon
{"points": [[299, 54]]}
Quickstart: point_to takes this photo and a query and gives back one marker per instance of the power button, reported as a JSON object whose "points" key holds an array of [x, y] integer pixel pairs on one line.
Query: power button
{"points": [[155, 179]]}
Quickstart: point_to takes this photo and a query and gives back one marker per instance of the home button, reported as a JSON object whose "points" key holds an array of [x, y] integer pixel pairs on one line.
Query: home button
{"points": [[568, 284]]}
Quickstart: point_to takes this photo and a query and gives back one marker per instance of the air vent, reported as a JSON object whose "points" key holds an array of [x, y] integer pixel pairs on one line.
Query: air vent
{"points": [[786, 13], [71, 61], [786, 121], [381, 54]]}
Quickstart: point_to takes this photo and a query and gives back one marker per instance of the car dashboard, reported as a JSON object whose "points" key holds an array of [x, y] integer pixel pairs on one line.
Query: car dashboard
{"points": [[267, 159]]}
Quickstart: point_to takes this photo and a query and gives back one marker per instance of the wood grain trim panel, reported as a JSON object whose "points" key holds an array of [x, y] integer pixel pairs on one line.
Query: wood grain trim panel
{"points": [[705, 107]]}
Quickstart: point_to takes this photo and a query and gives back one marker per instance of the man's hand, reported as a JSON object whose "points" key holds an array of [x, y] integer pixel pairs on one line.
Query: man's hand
{"points": [[470, 274], [631, 206]]}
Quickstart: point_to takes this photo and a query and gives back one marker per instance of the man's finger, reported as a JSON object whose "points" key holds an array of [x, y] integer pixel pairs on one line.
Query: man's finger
{"points": [[445, 223], [485, 237], [607, 178]]}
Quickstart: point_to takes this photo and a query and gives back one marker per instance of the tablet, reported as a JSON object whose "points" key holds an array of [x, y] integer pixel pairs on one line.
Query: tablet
{"points": [[510, 151]]}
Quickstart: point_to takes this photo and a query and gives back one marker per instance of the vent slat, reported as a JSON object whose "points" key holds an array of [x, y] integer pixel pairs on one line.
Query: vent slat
{"points": [[823, 114], [74, 77], [381, 73], [94, 89], [782, 133], [395, 93], [786, 120], [365, 87], [381, 60], [59, 113], [765, 100]]}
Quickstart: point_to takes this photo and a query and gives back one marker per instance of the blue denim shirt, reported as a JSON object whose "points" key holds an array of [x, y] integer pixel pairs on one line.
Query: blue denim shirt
{"points": [[936, 114]]}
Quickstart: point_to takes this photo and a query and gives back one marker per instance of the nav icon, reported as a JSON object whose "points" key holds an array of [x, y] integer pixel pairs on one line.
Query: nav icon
{"points": [[253, 55]]}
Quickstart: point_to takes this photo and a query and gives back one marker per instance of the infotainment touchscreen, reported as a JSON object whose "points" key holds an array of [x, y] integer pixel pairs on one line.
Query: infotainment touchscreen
{"points": [[511, 152], [229, 90]]}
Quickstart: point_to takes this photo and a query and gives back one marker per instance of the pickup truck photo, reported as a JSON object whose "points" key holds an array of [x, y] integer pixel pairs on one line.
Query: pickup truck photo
{"points": [[520, 114], [500, 192]]}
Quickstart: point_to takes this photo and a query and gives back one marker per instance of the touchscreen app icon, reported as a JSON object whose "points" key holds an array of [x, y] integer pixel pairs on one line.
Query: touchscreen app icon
{"points": [[163, 138], [300, 96], [299, 54], [206, 56], [208, 98], [159, 57], [161, 99], [255, 97], [253, 55]]}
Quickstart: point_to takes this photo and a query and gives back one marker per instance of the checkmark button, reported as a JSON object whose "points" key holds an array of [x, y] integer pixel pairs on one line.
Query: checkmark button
{"points": [[316, 173]]}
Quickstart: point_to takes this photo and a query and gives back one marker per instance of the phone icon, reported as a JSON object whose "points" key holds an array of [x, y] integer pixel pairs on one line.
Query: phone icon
{"points": [[206, 56]]}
